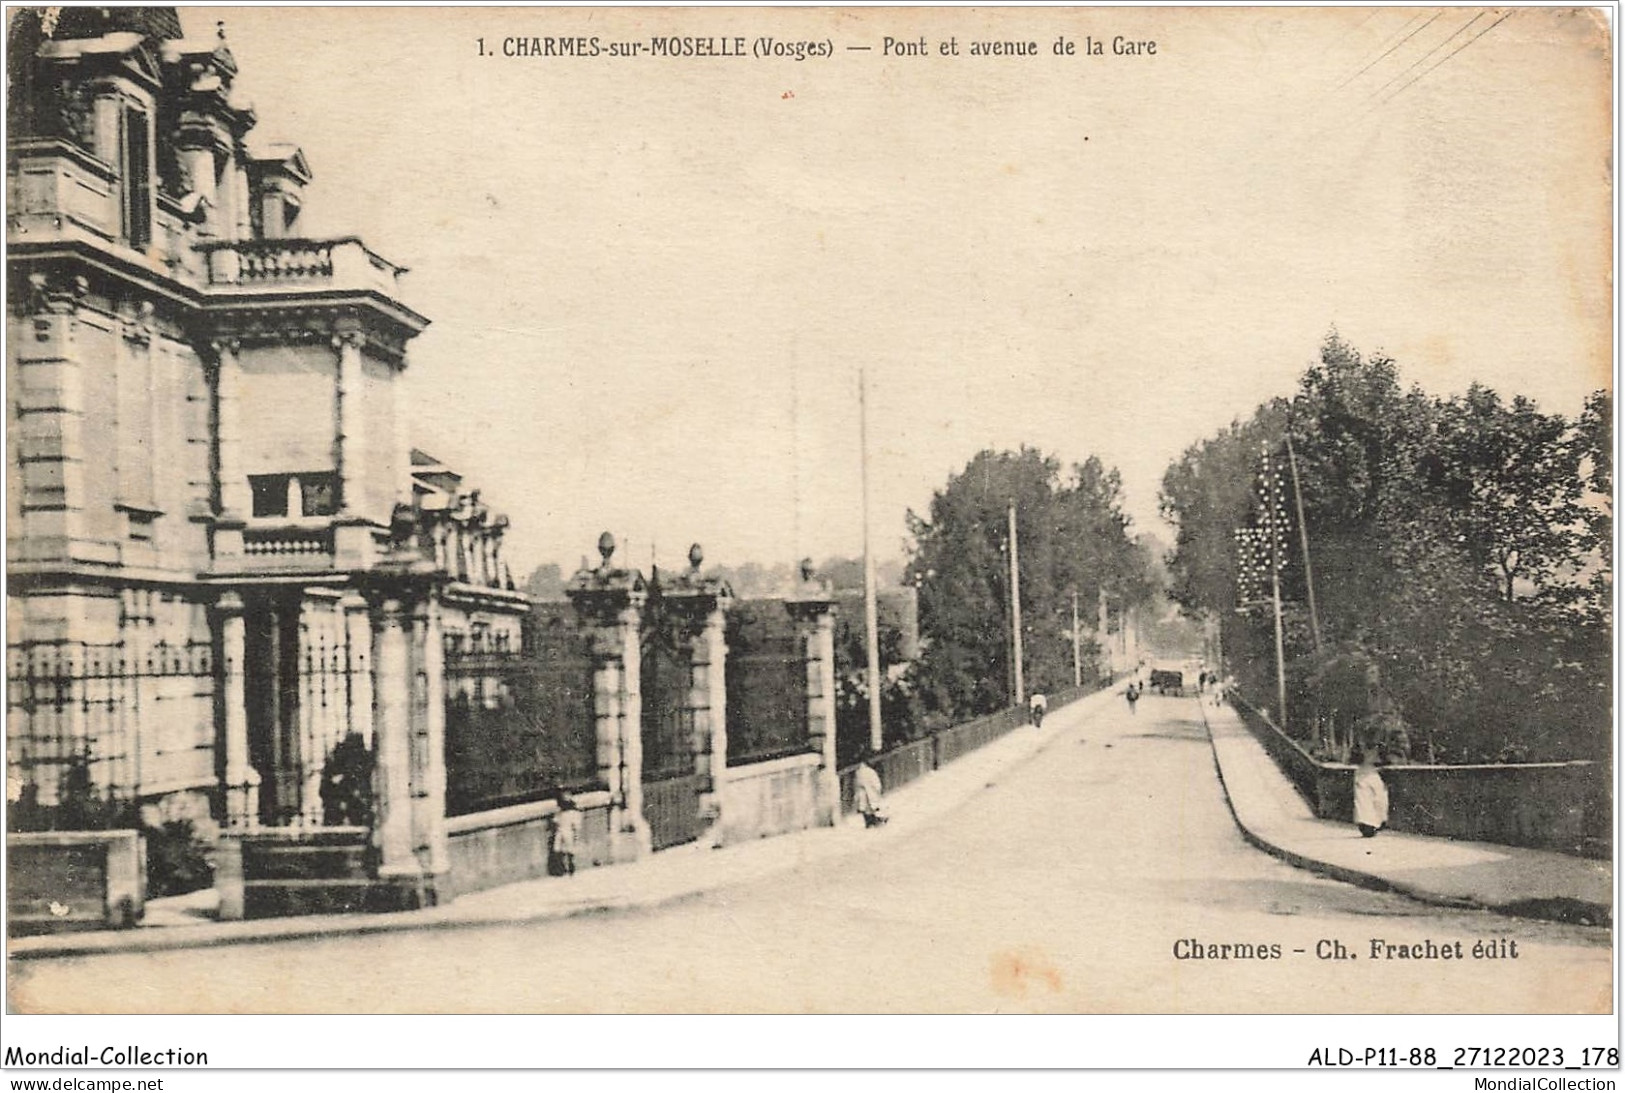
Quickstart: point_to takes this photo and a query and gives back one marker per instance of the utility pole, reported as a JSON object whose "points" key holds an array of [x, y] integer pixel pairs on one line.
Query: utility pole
{"points": [[1077, 663], [1015, 605], [871, 623], [1103, 636], [1274, 516], [1303, 542]]}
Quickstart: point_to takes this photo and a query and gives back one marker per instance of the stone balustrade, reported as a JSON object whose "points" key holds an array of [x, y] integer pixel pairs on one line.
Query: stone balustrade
{"points": [[299, 265]]}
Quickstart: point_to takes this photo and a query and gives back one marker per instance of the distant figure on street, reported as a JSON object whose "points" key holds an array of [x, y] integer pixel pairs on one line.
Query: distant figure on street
{"points": [[1133, 696], [1037, 706], [566, 834], [1370, 795], [866, 795]]}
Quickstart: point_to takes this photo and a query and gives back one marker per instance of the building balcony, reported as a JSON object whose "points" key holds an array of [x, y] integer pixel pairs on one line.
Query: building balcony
{"points": [[59, 189], [297, 266], [304, 546], [62, 195]]}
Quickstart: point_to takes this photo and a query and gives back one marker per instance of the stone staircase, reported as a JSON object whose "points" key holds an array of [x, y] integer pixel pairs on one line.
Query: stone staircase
{"points": [[319, 871]]}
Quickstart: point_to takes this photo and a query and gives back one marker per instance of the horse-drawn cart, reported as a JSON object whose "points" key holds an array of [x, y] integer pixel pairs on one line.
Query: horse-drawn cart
{"points": [[1167, 682]]}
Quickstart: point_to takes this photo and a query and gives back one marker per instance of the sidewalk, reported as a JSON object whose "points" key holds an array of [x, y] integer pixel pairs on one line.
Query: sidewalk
{"points": [[675, 874], [1448, 872]]}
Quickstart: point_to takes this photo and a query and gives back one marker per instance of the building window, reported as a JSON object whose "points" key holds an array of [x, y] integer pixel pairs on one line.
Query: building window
{"points": [[137, 178], [313, 493]]}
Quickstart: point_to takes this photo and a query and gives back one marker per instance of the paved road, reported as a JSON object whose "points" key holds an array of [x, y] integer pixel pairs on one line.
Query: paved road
{"points": [[1065, 885]]}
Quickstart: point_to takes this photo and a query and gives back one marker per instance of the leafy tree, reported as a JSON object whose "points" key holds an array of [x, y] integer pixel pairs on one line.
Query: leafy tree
{"points": [[1508, 484], [546, 582], [1071, 535], [1454, 547]]}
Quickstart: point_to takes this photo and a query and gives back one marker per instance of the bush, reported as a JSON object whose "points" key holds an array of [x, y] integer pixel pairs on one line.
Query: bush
{"points": [[347, 784], [177, 859], [80, 806]]}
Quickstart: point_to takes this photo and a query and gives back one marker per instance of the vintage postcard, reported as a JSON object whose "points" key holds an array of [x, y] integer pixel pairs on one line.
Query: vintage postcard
{"points": [[652, 511]]}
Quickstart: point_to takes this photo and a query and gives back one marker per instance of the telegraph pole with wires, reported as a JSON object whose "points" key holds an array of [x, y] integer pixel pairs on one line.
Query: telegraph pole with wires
{"points": [[1077, 660], [1303, 544], [1015, 607], [871, 622], [1261, 552]]}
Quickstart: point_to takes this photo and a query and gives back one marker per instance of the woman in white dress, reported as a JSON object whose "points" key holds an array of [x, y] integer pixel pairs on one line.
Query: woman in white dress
{"points": [[1370, 795]]}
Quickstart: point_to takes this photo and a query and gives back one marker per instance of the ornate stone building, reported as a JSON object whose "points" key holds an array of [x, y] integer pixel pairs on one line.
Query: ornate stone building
{"points": [[237, 596], [220, 560]]}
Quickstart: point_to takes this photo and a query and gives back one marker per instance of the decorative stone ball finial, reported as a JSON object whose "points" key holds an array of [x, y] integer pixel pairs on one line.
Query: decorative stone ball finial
{"points": [[606, 547], [696, 555], [807, 569]]}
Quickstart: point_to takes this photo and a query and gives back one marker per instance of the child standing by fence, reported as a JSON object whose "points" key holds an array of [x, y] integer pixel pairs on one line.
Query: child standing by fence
{"points": [[566, 834]]}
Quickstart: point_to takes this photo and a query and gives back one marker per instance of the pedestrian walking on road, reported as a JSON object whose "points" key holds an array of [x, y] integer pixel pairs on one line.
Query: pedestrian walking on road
{"points": [[1037, 706], [566, 834], [1370, 796], [866, 795], [1133, 696]]}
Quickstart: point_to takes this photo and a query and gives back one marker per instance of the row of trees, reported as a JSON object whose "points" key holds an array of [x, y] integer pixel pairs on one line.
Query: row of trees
{"points": [[1461, 551], [1072, 538]]}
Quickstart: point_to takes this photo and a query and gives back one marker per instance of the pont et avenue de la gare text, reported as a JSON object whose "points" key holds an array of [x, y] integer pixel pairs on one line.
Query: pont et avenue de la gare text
{"points": [[774, 48]]}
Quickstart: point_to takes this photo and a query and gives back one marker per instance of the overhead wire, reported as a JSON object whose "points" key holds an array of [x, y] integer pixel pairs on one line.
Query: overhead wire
{"points": [[1411, 82], [1440, 45], [1372, 64]]}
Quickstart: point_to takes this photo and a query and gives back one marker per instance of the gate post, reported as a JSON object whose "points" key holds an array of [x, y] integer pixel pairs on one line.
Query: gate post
{"points": [[241, 790], [702, 605], [242, 804], [429, 734], [609, 602], [409, 772], [391, 734], [813, 609]]}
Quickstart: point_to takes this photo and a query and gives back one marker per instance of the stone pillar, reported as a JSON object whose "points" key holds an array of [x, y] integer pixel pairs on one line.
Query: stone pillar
{"points": [[400, 443], [201, 142], [49, 385], [429, 736], [239, 195], [313, 746], [814, 612], [349, 444], [197, 163], [228, 877], [610, 603], [701, 606], [231, 483], [392, 739], [242, 789]]}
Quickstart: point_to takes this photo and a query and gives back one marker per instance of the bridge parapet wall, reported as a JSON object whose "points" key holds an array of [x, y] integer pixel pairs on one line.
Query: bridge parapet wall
{"points": [[1544, 806]]}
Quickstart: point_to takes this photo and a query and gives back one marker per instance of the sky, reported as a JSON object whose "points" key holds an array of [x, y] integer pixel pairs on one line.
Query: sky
{"points": [[653, 282]]}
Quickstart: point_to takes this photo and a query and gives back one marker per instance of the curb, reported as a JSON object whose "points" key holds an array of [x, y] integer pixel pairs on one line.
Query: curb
{"points": [[304, 928], [1568, 911]]}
